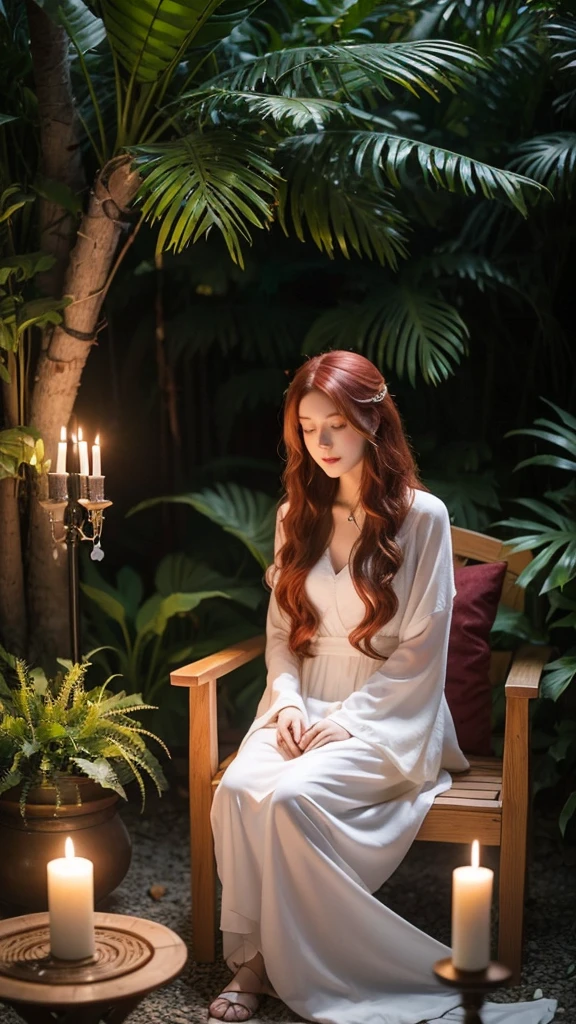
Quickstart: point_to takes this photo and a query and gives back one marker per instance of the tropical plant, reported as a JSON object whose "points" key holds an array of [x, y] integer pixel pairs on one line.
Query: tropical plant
{"points": [[552, 533], [192, 126], [52, 728]]}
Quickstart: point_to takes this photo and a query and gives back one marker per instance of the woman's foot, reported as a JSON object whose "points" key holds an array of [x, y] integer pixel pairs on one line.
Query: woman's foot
{"points": [[241, 998]]}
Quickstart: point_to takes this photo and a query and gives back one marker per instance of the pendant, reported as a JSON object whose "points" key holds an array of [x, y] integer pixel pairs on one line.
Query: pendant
{"points": [[351, 518]]}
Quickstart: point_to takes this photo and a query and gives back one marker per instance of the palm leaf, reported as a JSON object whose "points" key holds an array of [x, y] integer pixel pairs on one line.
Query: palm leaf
{"points": [[408, 330], [293, 112], [337, 216], [418, 67], [368, 154], [550, 159], [147, 37], [562, 34], [248, 515], [75, 16], [209, 179], [468, 266]]}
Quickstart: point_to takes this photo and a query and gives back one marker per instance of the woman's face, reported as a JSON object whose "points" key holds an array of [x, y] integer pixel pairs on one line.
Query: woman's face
{"points": [[330, 439]]}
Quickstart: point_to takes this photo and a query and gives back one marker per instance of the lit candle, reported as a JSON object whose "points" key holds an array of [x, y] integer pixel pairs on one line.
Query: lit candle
{"points": [[62, 447], [83, 453], [471, 905], [71, 906], [96, 462]]}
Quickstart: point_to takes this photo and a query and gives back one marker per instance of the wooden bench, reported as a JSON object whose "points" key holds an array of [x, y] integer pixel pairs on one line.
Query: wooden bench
{"points": [[489, 802]]}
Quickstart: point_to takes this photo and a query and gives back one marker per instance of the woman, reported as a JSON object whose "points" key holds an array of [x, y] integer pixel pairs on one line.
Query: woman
{"points": [[353, 737]]}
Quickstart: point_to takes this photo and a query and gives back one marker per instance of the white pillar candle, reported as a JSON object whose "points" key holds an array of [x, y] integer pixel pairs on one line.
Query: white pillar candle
{"points": [[96, 462], [62, 448], [71, 906], [83, 454], [471, 905]]}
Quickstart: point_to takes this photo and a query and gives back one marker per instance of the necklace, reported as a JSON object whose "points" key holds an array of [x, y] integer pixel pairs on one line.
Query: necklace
{"points": [[351, 517]]}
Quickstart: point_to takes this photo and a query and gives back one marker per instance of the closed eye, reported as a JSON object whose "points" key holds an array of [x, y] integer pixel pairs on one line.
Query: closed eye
{"points": [[334, 427]]}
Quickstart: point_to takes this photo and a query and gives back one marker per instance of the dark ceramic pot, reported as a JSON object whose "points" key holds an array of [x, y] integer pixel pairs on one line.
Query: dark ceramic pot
{"points": [[94, 825]]}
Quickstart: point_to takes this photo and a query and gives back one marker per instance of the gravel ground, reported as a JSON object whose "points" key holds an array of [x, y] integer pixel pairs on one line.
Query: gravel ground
{"points": [[419, 891]]}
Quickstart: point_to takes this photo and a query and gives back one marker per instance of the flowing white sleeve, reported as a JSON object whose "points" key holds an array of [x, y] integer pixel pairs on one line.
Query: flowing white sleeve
{"points": [[283, 667], [399, 709]]}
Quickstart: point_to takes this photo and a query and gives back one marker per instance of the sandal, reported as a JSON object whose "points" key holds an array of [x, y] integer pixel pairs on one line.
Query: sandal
{"points": [[248, 1001]]}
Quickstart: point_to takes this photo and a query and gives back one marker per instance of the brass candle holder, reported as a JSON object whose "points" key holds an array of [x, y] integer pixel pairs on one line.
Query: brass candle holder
{"points": [[77, 502], [473, 985]]}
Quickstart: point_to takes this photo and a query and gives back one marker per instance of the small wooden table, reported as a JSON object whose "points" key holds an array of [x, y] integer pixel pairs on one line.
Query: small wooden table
{"points": [[133, 957]]}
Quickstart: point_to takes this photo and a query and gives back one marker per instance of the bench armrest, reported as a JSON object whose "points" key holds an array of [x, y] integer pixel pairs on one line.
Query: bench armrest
{"points": [[526, 670], [219, 664]]}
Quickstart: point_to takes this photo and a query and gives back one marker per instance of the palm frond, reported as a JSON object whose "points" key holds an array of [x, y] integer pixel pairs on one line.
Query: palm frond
{"points": [[468, 266], [410, 331], [209, 179], [350, 216], [297, 113], [550, 159], [419, 67], [371, 155], [148, 36], [562, 34]]}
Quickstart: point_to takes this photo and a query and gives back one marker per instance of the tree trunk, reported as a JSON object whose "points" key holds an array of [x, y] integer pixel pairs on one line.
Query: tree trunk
{"points": [[13, 618], [61, 156], [58, 379]]}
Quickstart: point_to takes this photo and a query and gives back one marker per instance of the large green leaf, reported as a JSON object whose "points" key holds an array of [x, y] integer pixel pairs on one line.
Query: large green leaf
{"points": [[248, 515], [550, 159], [217, 178], [178, 573], [150, 35], [339, 214], [410, 331], [419, 66], [374, 154], [75, 16], [110, 605]]}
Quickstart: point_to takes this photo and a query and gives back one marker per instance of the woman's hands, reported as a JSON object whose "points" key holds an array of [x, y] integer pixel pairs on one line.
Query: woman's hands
{"points": [[294, 739], [324, 731], [291, 726]]}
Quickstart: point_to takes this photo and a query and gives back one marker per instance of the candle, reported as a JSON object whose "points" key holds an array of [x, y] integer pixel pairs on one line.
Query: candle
{"points": [[96, 462], [71, 906], [83, 454], [62, 447], [471, 905]]}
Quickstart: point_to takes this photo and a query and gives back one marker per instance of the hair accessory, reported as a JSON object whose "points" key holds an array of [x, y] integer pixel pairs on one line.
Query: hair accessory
{"points": [[376, 398]]}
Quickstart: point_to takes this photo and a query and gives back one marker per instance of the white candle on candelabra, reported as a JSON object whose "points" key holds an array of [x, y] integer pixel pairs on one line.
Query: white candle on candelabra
{"points": [[71, 906], [62, 448], [471, 905], [83, 454], [96, 461]]}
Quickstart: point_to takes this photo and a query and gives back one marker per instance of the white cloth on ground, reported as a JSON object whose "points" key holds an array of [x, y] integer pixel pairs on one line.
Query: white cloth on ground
{"points": [[301, 844]]}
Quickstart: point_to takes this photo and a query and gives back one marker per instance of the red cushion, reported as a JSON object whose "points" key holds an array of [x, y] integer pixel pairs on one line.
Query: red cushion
{"points": [[468, 688]]}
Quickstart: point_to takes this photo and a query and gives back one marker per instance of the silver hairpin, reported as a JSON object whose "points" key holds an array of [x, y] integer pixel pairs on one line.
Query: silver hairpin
{"points": [[375, 398]]}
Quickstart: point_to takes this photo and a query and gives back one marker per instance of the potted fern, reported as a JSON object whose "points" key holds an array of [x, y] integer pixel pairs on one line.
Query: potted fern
{"points": [[66, 754]]}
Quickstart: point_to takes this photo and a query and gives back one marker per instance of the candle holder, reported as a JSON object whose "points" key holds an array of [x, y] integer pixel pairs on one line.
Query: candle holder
{"points": [[473, 985], [77, 502]]}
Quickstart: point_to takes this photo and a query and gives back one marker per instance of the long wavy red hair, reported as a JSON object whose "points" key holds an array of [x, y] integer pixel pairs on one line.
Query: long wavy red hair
{"points": [[388, 475]]}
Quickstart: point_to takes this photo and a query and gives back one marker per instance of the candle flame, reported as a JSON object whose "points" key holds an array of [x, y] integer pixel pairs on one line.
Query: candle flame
{"points": [[69, 848], [80, 435], [475, 854], [62, 433], [75, 439], [97, 439]]}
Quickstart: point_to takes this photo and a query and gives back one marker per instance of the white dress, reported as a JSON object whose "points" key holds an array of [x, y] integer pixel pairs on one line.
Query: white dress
{"points": [[302, 843]]}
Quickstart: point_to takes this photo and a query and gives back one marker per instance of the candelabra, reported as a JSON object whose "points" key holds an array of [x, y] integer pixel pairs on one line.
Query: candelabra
{"points": [[473, 985], [76, 502]]}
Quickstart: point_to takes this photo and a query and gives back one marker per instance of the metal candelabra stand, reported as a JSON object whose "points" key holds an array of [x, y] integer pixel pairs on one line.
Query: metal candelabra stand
{"points": [[77, 502]]}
